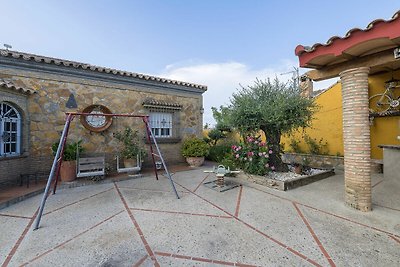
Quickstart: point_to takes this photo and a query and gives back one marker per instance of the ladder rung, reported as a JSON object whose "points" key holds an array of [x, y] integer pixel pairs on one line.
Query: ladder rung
{"points": [[156, 155]]}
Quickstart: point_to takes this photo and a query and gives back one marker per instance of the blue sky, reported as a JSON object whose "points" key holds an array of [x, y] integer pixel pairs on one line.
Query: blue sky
{"points": [[219, 43]]}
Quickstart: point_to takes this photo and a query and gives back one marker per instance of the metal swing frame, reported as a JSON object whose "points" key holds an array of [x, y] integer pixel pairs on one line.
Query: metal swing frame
{"points": [[55, 168]]}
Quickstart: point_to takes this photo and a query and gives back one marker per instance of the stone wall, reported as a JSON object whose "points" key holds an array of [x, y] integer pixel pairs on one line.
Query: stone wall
{"points": [[315, 161], [46, 109], [325, 162]]}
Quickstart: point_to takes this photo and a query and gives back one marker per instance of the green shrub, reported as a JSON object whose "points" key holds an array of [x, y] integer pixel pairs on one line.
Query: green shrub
{"points": [[229, 162], [218, 152], [194, 147], [70, 150], [295, 146], [130, 143], [316, 147], [252, 156]]}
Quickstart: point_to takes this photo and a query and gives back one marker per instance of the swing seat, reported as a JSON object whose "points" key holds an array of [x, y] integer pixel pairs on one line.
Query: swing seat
{"points": [[93, 166], [134, 169]]}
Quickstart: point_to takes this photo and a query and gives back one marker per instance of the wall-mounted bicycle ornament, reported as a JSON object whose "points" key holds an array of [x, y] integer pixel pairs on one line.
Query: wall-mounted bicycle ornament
{"points": [[388, 100]]}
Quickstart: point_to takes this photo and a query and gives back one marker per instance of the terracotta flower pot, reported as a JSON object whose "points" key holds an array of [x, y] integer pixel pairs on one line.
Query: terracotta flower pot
{"points": [[130, 163], [68, 171], [298, 169], [195, 161]]}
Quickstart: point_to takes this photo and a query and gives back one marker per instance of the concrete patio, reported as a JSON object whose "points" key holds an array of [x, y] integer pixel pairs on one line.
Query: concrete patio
{"points": [[139, 222]]}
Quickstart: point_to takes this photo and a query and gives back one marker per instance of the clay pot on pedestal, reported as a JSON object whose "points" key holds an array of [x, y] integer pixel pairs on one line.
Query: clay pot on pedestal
{"points": [[297, 168], [194, 149], [195, 161], [130, 163]]}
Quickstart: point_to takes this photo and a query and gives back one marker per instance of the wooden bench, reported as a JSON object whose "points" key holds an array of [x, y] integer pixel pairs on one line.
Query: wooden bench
{"points": [[93, 166], [29, 176]]}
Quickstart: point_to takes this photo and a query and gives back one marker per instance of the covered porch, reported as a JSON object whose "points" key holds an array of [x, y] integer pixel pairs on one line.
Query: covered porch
{"points": [[354, 58]]}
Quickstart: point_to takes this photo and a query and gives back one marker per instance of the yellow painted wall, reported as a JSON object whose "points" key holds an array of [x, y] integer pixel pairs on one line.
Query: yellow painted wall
{"points": [[384, 130], [328, 124]]}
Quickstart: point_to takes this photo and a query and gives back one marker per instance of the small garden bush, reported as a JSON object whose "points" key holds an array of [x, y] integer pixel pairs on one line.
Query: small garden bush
{"points": [[316, 147], [252, 156], [219, 152], [295, 146], [194, 147]]}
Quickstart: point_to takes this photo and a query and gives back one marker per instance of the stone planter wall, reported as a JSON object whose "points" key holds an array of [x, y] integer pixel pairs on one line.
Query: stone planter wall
{"points": [[324, 162], [315, 161]]}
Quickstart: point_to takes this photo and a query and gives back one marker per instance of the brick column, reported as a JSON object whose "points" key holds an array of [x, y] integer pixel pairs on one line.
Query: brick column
{"points": [[356, 137]]}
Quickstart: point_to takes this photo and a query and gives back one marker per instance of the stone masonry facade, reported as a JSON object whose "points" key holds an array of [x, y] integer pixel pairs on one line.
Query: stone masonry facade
{"points": [[44, 112], [356, 135]]}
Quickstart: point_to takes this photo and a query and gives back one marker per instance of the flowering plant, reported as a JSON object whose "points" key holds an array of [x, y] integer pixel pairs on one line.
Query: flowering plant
{"points": [[252, 156]]}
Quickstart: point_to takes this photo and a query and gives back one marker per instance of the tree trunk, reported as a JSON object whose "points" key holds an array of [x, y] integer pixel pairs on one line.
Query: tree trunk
{"points": [[273, 141]]}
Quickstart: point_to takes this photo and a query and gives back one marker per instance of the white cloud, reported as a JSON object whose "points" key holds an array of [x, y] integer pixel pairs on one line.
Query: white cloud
{"points": [[223, 79]]}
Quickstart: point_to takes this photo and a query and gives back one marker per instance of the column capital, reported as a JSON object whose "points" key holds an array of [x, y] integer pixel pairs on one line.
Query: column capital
{"points": [[364, 70]]}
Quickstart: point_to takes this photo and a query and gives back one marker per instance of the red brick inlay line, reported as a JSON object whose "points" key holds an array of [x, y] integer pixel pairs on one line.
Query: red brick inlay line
{"points": [[346, 219], [386, 207], [15, 216], [137, 264], [238, 201], [135, 223], [75, 202], [202, 181], [18, 243], [377, 183], [184, 213], [321, 247], [72, 238], [328, 213], [395, 239], [150, 190], [256, 230], [178, 256]]}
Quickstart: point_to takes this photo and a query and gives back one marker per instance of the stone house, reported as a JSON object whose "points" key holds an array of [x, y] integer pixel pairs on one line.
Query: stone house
{"points": [[36, 91]]}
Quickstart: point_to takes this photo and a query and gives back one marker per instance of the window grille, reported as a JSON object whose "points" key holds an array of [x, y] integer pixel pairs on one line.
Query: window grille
{"points": [[161, 124], [10, 130]]}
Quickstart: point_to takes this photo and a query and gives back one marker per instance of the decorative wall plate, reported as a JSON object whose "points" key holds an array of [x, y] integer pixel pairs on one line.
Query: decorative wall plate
{"points": [[96, 123]]}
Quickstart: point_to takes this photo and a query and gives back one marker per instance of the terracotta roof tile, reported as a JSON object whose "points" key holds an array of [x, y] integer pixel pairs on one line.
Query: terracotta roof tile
{"points": [[85, 66], [7, 83], [300, 49], [158, 103]]}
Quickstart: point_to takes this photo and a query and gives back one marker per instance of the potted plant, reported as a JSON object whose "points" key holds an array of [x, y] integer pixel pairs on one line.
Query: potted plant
{"points": [[297, 168], [68, 164], [130, 148], [194, 150]]}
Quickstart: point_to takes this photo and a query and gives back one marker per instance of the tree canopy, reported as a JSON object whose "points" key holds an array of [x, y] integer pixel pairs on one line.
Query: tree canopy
{"points": [[271, 106]]}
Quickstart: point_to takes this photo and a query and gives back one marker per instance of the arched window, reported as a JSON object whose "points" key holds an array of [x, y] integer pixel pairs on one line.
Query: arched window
{"points": [[10, 130]]}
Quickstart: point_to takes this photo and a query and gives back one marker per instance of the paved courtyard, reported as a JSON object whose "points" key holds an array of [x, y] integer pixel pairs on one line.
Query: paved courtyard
{"points": [[139, 222]]}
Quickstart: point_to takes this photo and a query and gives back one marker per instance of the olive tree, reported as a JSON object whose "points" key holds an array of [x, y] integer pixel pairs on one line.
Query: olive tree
{"points": [[273, 107]]}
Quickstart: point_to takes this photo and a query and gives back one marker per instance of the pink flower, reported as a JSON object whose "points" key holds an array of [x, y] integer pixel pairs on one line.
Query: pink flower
{"points": [[237, 156], [266, 165], [272, 168], [270, 151], [260, 154], [256, 142], [266, 156]]}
